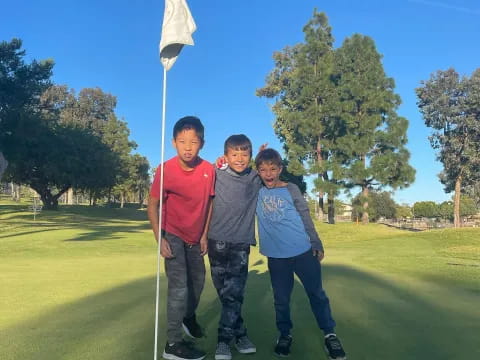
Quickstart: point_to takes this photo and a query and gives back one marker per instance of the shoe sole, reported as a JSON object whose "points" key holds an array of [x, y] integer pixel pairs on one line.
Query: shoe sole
{"points": [[223, 357], [246, 351], [330, 358], [187, 332], [174, 357]]}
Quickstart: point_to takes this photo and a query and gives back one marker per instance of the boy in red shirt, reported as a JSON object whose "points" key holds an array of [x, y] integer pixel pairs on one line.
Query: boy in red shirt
{"points": [[188, 188]]}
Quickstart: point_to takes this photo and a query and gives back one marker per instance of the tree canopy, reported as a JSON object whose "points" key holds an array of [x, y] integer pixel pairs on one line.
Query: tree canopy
{"points": [[53, 139], [450, 106], [335, 113]]}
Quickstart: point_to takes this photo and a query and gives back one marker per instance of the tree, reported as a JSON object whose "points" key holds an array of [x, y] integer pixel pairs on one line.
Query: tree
{"points": [[403, 211], [51, 159], [302, 86], [93, 111], [289, 177], [137, 179], [473, 191], [20, 87], [445, 210], [51, 139], [375, 136], [467, 206], [115, 134], [450, 105], [381, 204], [141, 178], [426, 209]]}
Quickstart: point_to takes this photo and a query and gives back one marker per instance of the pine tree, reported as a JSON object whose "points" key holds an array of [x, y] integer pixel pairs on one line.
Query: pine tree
{"points": [[374, 138], [301, 83], [450, 105]]}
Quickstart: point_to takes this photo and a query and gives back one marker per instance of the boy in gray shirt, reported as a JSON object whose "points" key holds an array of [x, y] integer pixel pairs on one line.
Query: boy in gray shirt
{"points": [[231, 232]]}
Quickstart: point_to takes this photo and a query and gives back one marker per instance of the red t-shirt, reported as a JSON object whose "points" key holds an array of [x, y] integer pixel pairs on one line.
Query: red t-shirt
{"points": [[185, 198]]}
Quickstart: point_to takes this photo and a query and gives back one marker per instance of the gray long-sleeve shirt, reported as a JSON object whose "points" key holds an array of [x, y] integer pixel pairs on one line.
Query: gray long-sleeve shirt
{"points": [[233, 216]]}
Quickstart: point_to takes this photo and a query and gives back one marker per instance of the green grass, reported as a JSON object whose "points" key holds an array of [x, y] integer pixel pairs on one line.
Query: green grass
{"points": [[80, 284]]}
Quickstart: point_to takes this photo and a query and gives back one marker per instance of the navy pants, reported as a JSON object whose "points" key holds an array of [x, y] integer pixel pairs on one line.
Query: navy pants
{"points": [[308, 270], [229, 267]]}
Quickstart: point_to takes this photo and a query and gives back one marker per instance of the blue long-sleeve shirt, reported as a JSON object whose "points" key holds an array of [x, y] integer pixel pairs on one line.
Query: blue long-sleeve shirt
{"points": [[284, 223]]}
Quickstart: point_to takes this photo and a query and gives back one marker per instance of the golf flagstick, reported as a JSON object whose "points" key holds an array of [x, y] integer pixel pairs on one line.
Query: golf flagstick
{"points": [[162, 150], [177, 29]]}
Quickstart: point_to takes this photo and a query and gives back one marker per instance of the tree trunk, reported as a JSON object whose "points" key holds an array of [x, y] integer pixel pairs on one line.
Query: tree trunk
{"points": [[320, 176], [320, 206], [69, 196], [456, 207], [140, 199], [365, 195], [50, 202], [331, 209], [122, 199], [365, 204], [15, 190], [3, 164]]}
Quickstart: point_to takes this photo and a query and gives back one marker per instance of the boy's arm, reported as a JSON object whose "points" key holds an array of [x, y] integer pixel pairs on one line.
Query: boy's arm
{"points": [[153, 215], [304, 212], [204, 238]]}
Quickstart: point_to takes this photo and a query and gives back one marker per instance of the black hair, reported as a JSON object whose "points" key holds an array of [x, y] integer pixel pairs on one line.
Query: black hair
{"points": [[238, 142], [268, 156], [189, 123]]}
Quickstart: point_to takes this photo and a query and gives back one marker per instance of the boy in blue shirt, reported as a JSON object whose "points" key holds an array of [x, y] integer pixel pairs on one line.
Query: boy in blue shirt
{"points": [[289, 239]]}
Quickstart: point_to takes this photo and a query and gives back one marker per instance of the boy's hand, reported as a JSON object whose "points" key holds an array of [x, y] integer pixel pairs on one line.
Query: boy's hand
{"points": [[319, 255], [221, 163], [165, 250], [262, 147], [203, 245]]}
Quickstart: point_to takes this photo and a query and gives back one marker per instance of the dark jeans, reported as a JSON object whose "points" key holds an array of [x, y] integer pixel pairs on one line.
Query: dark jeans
{"points": [[229, 266], [308, 269], [186, 278]]}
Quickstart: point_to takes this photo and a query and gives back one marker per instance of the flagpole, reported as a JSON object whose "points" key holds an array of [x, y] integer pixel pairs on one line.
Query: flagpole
{"points": [[177, 29], [162, 151]]}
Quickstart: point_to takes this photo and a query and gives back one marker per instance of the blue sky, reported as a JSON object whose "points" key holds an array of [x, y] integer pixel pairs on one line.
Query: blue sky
{"points": [[114, 45]]}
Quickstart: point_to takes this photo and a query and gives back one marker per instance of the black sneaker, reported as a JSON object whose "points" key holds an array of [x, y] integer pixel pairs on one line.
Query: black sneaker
{"points": [[182, 351], [334, 348], [191, 327], [283, 345]]}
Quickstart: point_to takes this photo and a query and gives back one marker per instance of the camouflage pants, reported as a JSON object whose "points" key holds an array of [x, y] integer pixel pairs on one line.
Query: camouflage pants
{"points": [[186, 277], [229, 266]]}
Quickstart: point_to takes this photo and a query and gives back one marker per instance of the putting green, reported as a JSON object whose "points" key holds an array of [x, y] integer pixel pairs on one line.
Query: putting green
{"points": [[80, 284]]}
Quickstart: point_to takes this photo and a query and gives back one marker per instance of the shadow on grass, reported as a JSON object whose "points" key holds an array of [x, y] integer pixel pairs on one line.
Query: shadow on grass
{"points": [[115, 324], [99, 212], [100, 223], [98, 232], [376, 320]]}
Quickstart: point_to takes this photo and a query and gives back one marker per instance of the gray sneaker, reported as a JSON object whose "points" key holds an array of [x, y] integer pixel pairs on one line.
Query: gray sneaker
{"points": [[223, 352], [245, 346]]}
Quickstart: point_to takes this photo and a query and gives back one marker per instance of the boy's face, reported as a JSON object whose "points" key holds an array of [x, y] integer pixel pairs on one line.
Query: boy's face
{"points": [[270, 174], [238, 160], [188, 145]]}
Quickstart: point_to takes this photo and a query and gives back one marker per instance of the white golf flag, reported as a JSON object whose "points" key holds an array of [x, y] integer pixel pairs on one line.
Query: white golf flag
{"points": [[177, 29]]}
